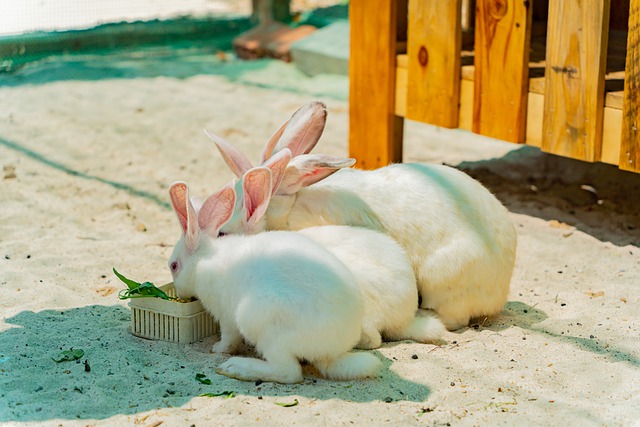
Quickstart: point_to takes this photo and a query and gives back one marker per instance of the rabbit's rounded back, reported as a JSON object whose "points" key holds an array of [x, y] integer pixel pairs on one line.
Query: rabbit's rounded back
{"points": [[458, 236], [286, 285], [382, 271]]}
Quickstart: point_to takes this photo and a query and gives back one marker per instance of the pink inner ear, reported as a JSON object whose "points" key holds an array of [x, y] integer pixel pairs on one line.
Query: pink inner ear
{"points": [[304, 129], [278, 165], [178, 194], [217, 210], [268, 148], [237, 162], [257, 192]]}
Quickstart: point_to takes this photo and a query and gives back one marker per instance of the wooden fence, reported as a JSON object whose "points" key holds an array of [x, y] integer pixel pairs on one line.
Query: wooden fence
{"points": [[567, 84]]}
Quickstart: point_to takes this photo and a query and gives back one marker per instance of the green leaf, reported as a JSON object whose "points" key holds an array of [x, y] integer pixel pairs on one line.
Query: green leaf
{"points": [[288, 405], [227, 394], [69, 355], [140, 290], [130, 283], [203, 379]]}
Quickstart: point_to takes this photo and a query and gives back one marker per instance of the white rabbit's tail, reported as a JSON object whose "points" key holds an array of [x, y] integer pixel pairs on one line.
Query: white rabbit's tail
{"points": [[349, 366], [424, 327]]}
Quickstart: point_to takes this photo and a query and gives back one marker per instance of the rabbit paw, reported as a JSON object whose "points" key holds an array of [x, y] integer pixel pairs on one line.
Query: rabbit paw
{"points": [[238, 368], [227, 347], [369, 340], [250, 369]]}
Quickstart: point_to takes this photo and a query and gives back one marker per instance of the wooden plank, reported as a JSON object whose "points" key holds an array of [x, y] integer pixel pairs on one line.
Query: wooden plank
{"points": [[502, 38], [535, 107], [433, 51], [612, 114], [402, 80], [611, 130], [577, 38], [375, 132], [630, 144], [465, 119]]}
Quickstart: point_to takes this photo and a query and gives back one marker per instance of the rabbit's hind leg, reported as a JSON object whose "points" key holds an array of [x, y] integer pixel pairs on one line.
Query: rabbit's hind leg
{"points": [[425, 327], [348, 366], [370, 338]]}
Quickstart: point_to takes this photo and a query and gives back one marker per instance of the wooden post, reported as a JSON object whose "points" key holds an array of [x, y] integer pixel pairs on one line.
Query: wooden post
{"points": [[375, 132], [630, 143], [278, 10], [501, 62], [577, 37], [433, 50]]}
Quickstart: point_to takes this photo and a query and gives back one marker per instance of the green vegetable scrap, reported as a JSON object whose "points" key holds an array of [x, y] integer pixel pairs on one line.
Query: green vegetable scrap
{"points": [[288, 405], [69, 355], [226, 394], [140, 290], [203, 379]]}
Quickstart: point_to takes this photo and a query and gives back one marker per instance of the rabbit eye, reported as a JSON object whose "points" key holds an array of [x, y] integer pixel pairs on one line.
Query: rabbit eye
{"points": [[174, 266], [221, 234]]}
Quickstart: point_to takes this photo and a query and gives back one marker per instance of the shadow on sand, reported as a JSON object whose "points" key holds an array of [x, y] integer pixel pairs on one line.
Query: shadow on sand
{"points": [[129, 375], [596, 198]]}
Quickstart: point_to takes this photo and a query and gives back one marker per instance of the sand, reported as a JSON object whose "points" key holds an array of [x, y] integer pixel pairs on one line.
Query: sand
{"points": [[86, 166]]}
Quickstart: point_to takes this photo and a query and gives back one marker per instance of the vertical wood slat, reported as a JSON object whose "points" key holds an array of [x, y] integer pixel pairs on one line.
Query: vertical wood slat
{"points": [[375, 132], [630, 141], [433, 50], [577, 38], [501, 62]]}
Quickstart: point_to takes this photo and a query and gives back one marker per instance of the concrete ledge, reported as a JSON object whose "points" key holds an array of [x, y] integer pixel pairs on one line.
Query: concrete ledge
{"points": [[326, 51]]}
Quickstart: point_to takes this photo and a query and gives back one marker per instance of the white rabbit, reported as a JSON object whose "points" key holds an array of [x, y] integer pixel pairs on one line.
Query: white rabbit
{"points": [[458, 236], [280, 291], [380, 265]]}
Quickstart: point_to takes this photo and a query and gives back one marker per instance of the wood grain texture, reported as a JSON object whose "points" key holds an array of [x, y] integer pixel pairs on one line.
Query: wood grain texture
{"points": [[630, 143], [375, 132], [433, 51], [502, 38], [577, 39]]}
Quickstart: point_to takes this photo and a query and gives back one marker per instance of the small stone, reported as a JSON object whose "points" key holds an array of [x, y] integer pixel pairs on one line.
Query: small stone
{"points": [[414, 357], [141, 227]]}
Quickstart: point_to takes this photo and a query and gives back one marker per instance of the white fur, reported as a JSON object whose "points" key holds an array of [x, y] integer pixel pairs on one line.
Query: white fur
{"points": [[385, 277], [458, 236], [280, 291], [380, 266]]}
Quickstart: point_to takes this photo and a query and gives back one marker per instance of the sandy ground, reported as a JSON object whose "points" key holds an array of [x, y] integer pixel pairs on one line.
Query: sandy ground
{"points": [[89, 147]]}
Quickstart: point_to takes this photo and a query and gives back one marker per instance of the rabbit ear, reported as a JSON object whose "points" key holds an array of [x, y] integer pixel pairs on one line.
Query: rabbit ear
{"points": [[179, 193], [256, 185], [308, 169], [268, 149], [217, 210], [304, 129], [196, 202], [278, 165], [238, 162]]}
